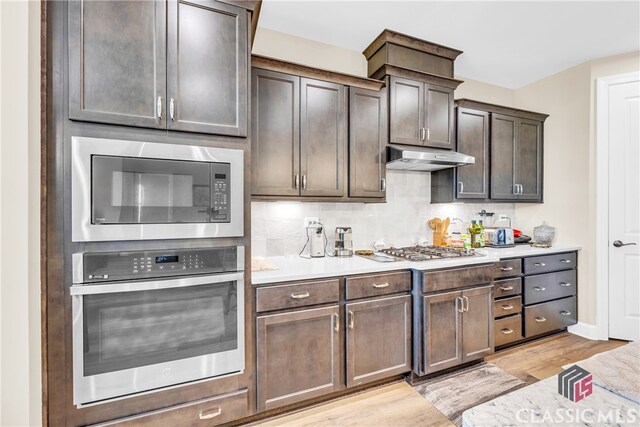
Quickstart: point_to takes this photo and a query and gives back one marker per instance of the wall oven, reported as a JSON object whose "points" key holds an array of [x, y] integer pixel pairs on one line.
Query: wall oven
{"points": [[131, 190], [144, 320]]}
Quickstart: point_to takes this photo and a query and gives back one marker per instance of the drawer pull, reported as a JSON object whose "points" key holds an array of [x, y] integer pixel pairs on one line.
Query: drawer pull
{"points": [[565, 284], [565, 313], [540, 289], [506, 288], [507, 307], [506, 268], [539, 264], [300, 296], [507, 331], [352, 319], [540, 319], [211, 413], [565, 261], [380, 285]]}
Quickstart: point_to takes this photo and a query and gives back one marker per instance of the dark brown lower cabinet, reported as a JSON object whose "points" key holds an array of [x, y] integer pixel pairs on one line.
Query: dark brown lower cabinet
{"points": [[458, 327], [378, 339], [298, 356]]}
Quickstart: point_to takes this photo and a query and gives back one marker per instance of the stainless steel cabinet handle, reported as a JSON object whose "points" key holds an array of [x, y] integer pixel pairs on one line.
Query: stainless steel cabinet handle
{"points": [[619, 244], [565, 261], [383, 184], [460, 187], [380, 285], [304, 182], [300, 296], [466, 306], [540, 319], [159, 107], [459, 305], [521, 189], [565, 284], [506, 288], [515, 189], [539, 288], [539, 264], [296, 181], [172, 109], [565, 313], [99, 276], [337, 320], [428, 134], [506, 331], [214, 413], [506, 268], [507, 307], [351, 319]]}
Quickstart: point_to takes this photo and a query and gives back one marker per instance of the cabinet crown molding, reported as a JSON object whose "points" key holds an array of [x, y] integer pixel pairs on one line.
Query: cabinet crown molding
{"points": [[500, 109]]}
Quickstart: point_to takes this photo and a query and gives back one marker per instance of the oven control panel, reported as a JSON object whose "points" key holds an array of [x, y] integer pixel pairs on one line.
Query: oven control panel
{"points": [[221, 193], [115, 266]]}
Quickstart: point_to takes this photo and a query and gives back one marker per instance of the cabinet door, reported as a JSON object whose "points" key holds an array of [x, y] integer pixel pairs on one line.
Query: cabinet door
{"points": [[528, 157], [477, 323], [473, 139], [117, 62], [275, 134], [368, 135], [503, 141], [439, 117], [406, 111], [323, 138], [207, 71], [378, 339], [298, 356], [443, 331]]}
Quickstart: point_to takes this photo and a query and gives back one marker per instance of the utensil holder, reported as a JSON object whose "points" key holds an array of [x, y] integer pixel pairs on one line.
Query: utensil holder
{"points": [[439, 239]]}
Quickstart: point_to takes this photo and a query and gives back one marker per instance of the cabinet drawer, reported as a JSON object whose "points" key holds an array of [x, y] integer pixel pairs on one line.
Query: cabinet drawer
{"points": [[297, 295], [507, 307], [507, 330], [549, 316], [546, 287], [205, 412], [547, 263], [378, 284], [507, 287], [508, 268], [455, 278]]}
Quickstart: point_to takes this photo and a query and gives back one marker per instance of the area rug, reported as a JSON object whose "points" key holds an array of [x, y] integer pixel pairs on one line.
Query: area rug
{"points": [[454, 393]]}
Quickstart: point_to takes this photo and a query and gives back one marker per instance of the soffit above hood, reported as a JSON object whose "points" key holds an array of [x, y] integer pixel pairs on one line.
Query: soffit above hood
{"points": [[425, 159]]}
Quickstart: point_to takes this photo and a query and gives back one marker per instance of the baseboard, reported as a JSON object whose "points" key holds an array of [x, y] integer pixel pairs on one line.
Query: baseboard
{"points": [[585, 330]]}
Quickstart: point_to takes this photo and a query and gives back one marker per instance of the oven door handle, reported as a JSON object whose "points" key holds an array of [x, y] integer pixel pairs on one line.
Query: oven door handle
{"points": [[156, 284]]}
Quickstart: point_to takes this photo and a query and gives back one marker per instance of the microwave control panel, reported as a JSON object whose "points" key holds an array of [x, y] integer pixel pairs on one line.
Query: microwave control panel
{"points": [[114, 266], [221, 192]]}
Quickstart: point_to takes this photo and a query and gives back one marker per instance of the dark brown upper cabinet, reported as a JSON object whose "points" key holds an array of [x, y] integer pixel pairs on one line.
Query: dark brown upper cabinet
{"points": [[299, 140], [156, 64], [368, 132], [507, 144], [420, 113]]}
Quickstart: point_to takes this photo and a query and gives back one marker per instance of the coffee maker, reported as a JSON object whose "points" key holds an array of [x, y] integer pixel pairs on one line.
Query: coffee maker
{"points": [[344, 243]]}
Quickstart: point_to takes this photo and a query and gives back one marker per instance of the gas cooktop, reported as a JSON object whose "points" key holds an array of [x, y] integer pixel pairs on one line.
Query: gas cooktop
{"points": [[426, 253]]}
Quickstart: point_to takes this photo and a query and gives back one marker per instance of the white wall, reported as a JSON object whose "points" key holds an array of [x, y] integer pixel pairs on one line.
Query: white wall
{"points": [[20, 377]]}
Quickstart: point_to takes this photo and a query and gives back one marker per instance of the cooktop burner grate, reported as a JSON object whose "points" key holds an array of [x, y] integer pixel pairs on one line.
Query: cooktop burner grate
{"points": [[425, 253]]}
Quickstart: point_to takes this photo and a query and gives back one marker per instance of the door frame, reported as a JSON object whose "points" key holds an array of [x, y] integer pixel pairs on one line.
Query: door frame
{"points": [[602, 197]]}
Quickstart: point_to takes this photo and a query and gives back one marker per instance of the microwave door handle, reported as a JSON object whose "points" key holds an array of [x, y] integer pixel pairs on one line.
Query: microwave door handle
{"points": [[90, 289]]}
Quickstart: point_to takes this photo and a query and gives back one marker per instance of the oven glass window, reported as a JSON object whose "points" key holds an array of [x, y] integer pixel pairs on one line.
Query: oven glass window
{"points": [[132, 329], [129, 190]]}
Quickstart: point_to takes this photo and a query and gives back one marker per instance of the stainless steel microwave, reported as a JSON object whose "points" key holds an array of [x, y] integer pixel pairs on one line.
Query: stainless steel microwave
{"points": [[132, 190]]}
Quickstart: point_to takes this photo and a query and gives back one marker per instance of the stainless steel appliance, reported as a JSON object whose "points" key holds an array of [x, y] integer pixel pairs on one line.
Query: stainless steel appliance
{"points": [[317, 243], [427, 253], [425, 159], [131, 190], [343, 242], [145, 320], [501, 237]]}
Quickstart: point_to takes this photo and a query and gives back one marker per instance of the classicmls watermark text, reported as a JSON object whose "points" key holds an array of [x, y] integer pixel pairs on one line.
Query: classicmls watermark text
{"points": [[578, 416], [575, 383]]}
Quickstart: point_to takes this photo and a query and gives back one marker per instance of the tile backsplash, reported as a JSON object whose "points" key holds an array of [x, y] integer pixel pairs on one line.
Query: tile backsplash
{"points": [[278, 227]]}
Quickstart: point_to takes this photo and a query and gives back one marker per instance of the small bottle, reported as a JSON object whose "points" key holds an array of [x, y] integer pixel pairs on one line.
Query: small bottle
{"points": [[473, 232], [480, 239]]}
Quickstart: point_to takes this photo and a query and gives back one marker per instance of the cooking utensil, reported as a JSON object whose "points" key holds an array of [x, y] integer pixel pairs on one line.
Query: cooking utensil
{"points": [[432, 223]]}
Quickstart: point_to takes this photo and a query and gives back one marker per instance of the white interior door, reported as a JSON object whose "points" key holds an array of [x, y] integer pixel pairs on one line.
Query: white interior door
{"points": [[624, 211]]}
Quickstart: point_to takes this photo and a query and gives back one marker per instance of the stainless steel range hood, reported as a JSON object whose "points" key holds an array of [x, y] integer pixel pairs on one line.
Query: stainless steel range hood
{"points": [[425, 159]]}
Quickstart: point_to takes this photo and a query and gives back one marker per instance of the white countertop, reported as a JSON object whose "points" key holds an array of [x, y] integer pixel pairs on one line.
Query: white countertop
{"points": [[296, 268]]}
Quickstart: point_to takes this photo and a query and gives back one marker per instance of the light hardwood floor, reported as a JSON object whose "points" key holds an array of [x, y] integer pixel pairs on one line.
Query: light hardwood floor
{"points": [[398, 404]]}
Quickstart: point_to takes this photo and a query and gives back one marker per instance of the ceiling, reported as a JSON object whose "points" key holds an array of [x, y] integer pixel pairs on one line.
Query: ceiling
{"points": [[509, 44]]}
